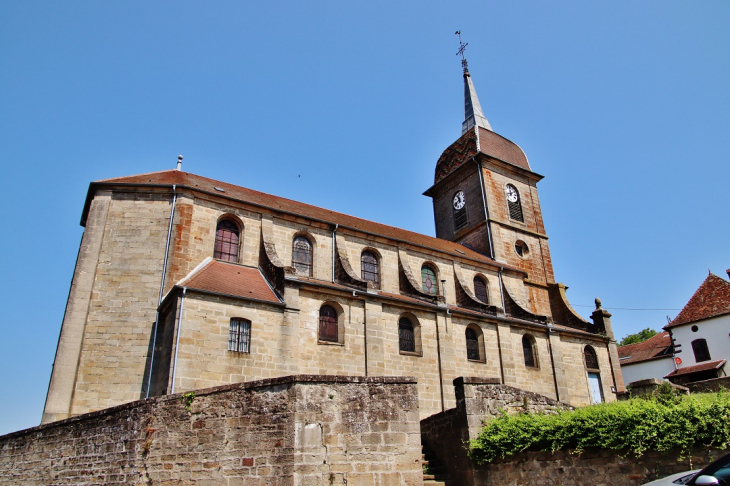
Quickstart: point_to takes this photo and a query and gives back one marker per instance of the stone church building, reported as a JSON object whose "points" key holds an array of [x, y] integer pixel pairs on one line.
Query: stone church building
{"points": [[184, 282]]}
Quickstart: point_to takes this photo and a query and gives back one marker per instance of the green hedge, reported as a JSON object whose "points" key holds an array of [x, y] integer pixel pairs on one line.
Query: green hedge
{"points": [[636, 426]]}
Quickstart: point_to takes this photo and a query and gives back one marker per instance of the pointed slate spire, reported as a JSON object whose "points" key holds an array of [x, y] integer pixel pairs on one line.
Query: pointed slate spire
{"points": [[473, 115]]}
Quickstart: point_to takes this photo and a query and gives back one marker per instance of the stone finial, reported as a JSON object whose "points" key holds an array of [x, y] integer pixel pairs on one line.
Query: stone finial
{"points": [[598, 303]]}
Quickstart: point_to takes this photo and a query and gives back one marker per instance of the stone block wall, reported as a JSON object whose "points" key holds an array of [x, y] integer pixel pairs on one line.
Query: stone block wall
{"points": [[297, 430], [707, 386], [590, 467], [477, 400]]}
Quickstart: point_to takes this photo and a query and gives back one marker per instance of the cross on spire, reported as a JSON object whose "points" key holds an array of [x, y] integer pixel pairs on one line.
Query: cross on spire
{"points": [[462, 47]]}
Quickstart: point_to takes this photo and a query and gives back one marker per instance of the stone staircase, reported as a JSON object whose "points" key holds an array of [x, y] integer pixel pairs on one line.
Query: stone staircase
{"points": [[434, 473]]}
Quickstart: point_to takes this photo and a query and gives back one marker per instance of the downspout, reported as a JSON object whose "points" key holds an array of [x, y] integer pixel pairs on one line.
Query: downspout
{"points": [[552, 363], [504, 309], [337, 225], [438, 356], [365, 328], [486, 210], [177, 340], [162, 283]]}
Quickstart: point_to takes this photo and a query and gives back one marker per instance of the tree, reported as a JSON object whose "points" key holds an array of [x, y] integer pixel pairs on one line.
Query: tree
{"points": [[639, 337]]}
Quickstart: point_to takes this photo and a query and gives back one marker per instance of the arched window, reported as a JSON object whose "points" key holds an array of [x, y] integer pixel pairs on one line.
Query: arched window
{"points": [[459, 205], [370, 268], [301, 256], [591, 358], [226, 241], [474, 343], [699, 347], [480, 289], [514, 203], [409, 336], [428, 280], [328, 328], [529, 348]]}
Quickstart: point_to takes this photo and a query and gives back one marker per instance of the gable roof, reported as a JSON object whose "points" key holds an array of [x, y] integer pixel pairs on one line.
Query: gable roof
{"points": [[656, 347], [261, 199], [712, 299], [230, 279]]}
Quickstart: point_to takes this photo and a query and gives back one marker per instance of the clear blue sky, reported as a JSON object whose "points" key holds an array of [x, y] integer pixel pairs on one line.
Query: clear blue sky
{"points": [[624, 106]]}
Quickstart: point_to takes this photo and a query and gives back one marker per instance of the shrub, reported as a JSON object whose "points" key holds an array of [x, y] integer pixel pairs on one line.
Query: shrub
{"points": [[635, 426]]}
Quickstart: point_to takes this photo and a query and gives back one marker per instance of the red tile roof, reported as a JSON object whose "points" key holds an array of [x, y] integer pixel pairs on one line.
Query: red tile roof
{"points": [[179, 178], [710, 365], [712, 299], [653, 348], [231, 279]]}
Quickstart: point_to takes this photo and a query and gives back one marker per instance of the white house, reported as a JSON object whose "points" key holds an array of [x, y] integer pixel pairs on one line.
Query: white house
{"points": [[648, 359]]}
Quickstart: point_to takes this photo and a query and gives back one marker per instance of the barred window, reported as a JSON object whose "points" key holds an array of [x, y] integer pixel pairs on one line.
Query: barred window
{"points": [[480, 289], [370, 268], [529, 349], [406, 335], [514, 203], [239, 335], [472, 344], [301, 258], [226, 241], [328, 324], [702, 353], [428, 280], [591, 358]]}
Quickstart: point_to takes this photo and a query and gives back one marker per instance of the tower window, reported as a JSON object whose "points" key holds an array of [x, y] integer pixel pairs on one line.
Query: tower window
{"points": [[370, 268], [591, 358], [226, 241], [521, 248], [514, 203], [428, 280], [328, 324], [406, 338], [302, 256], [480, 290], [702, 353], [529, 348], [239, 336]]}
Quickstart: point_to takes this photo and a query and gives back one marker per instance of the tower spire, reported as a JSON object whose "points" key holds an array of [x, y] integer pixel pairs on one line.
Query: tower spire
{"points": [[473, 114]]}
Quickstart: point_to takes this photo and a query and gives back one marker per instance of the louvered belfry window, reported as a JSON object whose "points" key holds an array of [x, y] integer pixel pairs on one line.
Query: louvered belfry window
{"points": [[406, 335], [591, 358], [480, 289], [472, 344], [226, 241], [514, 203], [239, 336], [460, 219], [702, 353], [328, 324], [370, 268], [428, 280], [302, 256], [528, 348]]}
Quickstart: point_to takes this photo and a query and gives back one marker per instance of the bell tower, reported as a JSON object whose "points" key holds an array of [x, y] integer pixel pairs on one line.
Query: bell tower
{"points": [[485, 197]]}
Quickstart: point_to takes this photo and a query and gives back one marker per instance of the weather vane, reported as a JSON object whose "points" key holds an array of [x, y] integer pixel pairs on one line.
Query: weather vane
{"points": [[462, 46]]}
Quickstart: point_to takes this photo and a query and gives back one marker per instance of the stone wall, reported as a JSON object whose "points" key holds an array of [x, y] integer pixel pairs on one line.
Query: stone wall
{"points": [[597, 467], [713, 385], [297, 430], [477, 400]]}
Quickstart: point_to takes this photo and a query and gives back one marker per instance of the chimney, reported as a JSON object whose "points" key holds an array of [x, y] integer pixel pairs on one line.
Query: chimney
{"points": [[179, 162]]}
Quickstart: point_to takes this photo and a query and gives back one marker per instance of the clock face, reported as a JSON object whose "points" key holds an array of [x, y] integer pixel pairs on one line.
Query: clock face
{"points": [[512, 195], [459, 201]]}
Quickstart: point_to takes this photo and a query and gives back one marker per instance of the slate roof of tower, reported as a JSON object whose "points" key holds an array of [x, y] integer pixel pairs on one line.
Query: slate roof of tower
{"points": [[709, 365], [655, 347], [250, 196], [712, 299]]}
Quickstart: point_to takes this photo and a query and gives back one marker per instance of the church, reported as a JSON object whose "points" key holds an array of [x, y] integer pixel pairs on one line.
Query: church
{"points": [[184, 282]]}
